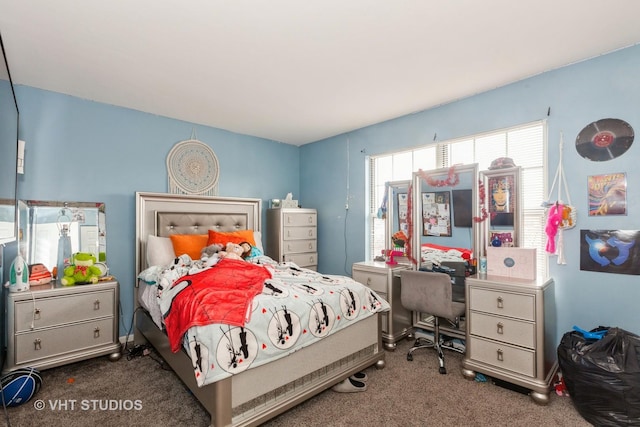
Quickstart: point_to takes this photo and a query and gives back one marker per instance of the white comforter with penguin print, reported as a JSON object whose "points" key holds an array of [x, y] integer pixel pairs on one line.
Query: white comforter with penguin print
{"points": [[296, 308]]}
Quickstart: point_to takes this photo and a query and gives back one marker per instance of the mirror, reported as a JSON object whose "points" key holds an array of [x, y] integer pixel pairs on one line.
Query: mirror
{"points": [[503, 202], [9, 150], [444, 208], [42, 223], [397, 217]]}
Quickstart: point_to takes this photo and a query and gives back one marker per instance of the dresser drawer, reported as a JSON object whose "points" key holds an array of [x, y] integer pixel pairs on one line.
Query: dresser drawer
{"points": [[299, 246], [303, 260], [52, 311], [521, 306], [507, 330], [45, 343], [298, 219], [377, 282], [502, 356], [297, 233]]}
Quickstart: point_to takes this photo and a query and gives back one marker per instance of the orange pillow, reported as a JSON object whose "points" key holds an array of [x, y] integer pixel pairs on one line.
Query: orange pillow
{"points": [[238, 237], [190, 244]]}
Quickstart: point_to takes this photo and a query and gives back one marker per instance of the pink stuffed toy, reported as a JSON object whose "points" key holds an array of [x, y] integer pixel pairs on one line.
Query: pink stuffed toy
{"points": [[553, 221], [232, 251]]}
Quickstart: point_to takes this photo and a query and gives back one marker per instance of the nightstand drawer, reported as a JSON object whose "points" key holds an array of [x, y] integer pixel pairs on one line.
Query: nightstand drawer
{"points": [[303, 260], [520, 306], [300, 219], [507, 330], [503, 356], [377, 282], [52, 311], [297, 233], [38, 345], [299, 246]]}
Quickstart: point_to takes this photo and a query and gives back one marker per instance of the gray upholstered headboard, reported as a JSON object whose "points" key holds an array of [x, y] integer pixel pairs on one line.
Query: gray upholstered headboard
{"points": [[168, 223], [161, 214]]}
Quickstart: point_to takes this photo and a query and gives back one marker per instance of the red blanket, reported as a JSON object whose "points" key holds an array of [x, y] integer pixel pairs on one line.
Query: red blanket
{"points": [[221, 294]]}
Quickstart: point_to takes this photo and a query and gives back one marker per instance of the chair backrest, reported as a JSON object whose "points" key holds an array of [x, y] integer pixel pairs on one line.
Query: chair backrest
{"points": [[427, 292]]}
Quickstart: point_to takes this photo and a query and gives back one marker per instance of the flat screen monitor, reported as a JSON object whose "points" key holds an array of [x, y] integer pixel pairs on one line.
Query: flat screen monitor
{"points": [[462, 201]]}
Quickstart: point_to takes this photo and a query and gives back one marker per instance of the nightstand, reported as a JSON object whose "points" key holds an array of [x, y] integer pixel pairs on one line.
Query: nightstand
{"points": [[379, 276], [52, 325], [510, 337]]}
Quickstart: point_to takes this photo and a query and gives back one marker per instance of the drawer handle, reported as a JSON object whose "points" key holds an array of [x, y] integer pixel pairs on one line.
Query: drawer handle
{"points": [[96, 332], [500, 328], [310, 233], [36, 314], [312, 260], [310, 245], [96, 304], [289, 248], [289, 219], [368, 281], [500, 355], [310, 220], [37, 344], [500, 302], [288, 233]]}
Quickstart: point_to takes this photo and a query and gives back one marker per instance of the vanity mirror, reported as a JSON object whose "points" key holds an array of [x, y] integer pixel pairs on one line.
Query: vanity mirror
{"points": [[9, 150], [43, 223], [443, 211], [397, 215]]}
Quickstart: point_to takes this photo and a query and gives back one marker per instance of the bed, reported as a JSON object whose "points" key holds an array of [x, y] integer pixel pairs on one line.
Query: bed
{"points": [[251, 396]]}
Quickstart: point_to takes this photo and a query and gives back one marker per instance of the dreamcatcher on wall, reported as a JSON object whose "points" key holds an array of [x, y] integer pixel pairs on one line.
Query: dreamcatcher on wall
{"points": [[192, 168]]}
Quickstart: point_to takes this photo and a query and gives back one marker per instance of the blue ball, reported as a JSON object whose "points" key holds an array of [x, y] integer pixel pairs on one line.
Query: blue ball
{"points": [[19, 386]]}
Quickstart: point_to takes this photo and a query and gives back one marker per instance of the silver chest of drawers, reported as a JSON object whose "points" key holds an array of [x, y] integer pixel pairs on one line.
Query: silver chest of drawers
{"points": [[51, 325], [292, 235], [507, 337]]}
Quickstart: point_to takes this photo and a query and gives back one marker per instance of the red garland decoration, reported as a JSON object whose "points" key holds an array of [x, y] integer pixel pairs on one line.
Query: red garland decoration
{"points": [[452, 178], [483, 210]]}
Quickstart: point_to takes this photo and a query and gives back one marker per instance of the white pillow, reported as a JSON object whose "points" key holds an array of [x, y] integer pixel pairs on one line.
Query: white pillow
{"points": [[257, 237], [159, 251]]}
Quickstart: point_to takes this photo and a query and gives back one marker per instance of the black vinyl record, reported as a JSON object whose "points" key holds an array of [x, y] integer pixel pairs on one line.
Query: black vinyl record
{"points": [[605, 139]]}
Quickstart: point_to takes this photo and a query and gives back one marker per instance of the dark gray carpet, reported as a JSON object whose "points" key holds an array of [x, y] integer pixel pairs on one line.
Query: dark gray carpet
{"points": [[403, 394]]}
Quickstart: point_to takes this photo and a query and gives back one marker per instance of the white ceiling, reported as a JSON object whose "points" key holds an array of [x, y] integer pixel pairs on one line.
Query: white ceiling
{"points": [[297, 71]]}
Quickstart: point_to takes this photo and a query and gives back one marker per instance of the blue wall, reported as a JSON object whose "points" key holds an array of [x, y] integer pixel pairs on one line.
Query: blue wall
{"points": [[604, 87], [86, 151], [79, 150]]}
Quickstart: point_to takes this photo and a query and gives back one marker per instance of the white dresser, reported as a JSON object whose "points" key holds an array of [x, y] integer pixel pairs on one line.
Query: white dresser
{"points": [[52, 325], [292, 235], [507, 337], [383, 278]]}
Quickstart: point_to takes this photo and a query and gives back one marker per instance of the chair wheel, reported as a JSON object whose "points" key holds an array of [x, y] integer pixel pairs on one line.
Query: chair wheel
{"points": [[443, 370], [410, 357]]}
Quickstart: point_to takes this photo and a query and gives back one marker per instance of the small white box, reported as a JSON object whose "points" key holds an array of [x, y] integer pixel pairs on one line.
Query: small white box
{"points": [[288, 203], [517, 263]]}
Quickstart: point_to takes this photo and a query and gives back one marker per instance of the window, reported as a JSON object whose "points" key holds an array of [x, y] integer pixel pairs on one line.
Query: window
{"points": [[525, 144]]}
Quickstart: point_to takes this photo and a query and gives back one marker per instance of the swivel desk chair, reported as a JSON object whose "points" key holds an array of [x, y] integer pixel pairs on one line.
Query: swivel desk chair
{"points": [[430, 292]]}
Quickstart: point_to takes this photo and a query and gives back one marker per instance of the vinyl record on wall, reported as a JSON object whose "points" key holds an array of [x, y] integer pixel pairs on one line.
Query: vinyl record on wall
{"points": [[604, 140]]}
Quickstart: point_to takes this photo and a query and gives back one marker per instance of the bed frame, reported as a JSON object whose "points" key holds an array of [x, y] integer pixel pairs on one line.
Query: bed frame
{"points": [[259, 394]]}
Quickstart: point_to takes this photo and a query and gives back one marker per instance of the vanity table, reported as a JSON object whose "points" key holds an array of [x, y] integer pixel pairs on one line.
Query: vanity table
{"points": [[384, 280], [52, 325], [507, 333]]}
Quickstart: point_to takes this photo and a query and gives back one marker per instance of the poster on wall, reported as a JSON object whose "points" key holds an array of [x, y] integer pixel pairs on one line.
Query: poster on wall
{"points": [[610, 251], [607, 194], [436, 214], [502, 203]]}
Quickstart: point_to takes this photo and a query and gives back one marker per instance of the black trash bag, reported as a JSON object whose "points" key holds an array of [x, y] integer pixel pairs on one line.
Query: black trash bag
{"points": [[603, 375]]}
